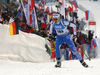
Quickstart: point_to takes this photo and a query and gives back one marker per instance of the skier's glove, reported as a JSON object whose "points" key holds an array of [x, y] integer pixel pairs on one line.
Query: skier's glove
{"points": [[68, 27]]}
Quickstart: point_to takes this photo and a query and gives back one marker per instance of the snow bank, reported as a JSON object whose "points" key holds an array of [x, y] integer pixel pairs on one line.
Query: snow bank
{"points": [[23, 47]]}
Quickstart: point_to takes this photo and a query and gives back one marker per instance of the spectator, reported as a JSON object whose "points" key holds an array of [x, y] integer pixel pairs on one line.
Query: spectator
{"points": [[78, 40], [90, 36], [5, 16], [82, 23], [39, 23], [1, 18], [18, 22], [43, 24], [11, 19], [26, 28], [77, 24]]}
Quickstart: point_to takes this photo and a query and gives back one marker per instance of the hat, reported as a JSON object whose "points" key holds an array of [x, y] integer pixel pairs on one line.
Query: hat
{"points": [[56, 15]]}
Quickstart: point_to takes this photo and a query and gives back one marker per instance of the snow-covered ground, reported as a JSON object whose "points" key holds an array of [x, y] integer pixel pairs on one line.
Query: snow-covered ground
{"points": [[73, 67]]}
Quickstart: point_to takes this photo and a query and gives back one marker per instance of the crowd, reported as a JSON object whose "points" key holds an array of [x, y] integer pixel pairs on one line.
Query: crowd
{"points": [[10, 13]]}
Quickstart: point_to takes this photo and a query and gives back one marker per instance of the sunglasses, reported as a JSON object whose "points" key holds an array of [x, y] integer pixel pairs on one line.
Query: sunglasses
{"points": [[55, 19]]}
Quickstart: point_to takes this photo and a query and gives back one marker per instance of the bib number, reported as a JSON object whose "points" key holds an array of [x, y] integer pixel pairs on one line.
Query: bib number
{"points": [[60, 31]]}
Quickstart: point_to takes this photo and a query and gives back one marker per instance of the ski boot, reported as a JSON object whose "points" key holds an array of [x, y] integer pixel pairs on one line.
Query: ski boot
{"points": [[58, 63], [83, 63]]}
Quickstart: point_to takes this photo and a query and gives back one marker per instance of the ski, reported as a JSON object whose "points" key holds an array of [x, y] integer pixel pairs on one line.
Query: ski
{"points": [[90, 67]]}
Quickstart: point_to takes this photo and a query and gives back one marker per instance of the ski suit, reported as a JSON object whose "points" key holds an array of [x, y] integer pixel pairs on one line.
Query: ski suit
{"points": [[63, 35]]}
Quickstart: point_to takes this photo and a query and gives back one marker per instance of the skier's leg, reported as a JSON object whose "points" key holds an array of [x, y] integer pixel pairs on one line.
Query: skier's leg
{"points": [[57, 51], [57, 48], [73, 48]]}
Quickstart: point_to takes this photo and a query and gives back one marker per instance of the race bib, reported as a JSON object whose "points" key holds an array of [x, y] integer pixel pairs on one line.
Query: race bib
{"points": [[60, 31]]}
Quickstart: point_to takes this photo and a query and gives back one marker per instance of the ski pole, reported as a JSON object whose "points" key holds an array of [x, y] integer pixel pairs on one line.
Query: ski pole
{"points": [[86, 55]]}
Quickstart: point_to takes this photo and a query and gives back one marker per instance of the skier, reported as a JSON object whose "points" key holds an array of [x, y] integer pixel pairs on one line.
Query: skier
{"points": [[61, 27]]}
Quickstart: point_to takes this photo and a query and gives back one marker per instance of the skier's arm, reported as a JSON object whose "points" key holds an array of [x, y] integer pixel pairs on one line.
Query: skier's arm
{"points": [[74, 27], [66, 23], [51, 28]]}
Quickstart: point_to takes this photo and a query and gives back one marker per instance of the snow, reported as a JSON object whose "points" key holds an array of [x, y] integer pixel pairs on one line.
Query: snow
{"points": [[72, 67], [23, 47]]}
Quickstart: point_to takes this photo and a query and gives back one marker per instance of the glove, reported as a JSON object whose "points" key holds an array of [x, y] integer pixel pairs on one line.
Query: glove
{"points": [[54, 34], [68, 27]]}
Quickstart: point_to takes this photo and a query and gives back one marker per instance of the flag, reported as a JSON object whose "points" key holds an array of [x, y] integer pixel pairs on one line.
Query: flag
{"points": [[25, 8], [30, 13], [91, 46], [20, 6], [40, 4], [69, 9], [34, 20], [94, 43], [74, 2], [44, 2], [31, 5], [43, 21], [87, 15], [28, 8], [53, 50], [13, 29], [62, 11], [4, 4], [47, 10]]}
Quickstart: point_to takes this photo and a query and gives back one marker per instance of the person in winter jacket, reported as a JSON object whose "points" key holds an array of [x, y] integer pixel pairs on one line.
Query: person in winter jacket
{"points": [[26, 28], [63, 35], [1, 18]]}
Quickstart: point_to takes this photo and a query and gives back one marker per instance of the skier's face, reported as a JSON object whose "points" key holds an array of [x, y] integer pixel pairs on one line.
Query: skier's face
{"points": [[56, 20], [26, 0], [20, 23]]}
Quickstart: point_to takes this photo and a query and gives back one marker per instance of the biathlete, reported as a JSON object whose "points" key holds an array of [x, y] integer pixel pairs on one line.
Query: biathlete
{"points": [[61, 26]]}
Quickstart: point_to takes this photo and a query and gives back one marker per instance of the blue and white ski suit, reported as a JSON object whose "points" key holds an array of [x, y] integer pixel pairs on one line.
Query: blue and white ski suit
{"points": [[63, 35]]}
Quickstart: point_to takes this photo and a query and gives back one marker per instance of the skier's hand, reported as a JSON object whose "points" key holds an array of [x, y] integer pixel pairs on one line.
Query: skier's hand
{"points": [[49, 35], [68, 27]]}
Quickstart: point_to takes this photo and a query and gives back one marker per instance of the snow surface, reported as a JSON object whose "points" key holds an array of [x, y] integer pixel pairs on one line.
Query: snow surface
{"points": [[72, 67]]}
